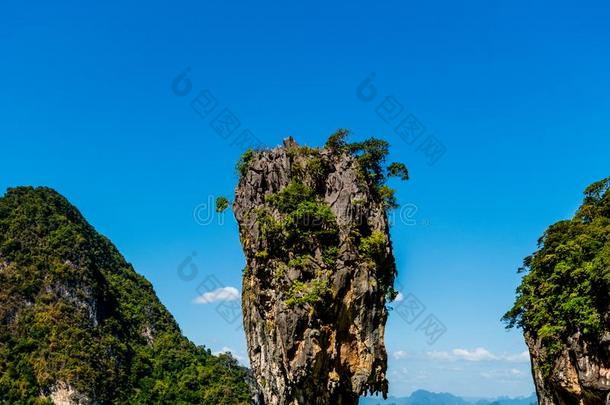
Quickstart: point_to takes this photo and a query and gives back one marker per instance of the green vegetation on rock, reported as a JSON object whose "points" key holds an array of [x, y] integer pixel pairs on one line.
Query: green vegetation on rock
{"points": [[372, 247], [291, 196], [222, 203], [244, 161], [307, 221], [296, 221], [73, 311], [398, 170], [306, 293], [371, 155], [566, 288]]}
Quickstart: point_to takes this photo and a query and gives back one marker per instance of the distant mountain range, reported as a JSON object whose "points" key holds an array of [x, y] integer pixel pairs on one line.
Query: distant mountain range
{"points": [[422, 397]]}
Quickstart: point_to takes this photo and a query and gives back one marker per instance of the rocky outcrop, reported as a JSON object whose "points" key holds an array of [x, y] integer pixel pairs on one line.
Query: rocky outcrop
{"points": [[63, 394], [580, 374], [319, 268], [563, 305]]}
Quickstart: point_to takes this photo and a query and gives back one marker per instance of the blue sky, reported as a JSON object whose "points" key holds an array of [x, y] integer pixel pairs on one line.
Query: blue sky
{"points": [[516, 92]]}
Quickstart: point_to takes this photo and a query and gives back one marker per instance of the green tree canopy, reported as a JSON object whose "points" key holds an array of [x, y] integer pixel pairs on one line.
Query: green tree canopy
{"points": [[566, 288]]}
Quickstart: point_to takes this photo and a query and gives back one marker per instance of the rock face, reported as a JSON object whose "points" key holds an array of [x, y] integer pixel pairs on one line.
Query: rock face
{"points": [[581, 373], [319, 268]]}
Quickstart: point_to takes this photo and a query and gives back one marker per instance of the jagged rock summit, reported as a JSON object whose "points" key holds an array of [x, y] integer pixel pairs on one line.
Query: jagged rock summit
{"points": [[79, 326], [320, 269]]}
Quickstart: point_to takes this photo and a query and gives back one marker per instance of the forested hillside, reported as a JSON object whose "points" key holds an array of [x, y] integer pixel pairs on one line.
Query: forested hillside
{"points": [[78, 324]]}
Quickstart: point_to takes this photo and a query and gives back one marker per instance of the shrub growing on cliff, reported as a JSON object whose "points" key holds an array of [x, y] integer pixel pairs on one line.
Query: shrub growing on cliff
{"points": [[371, 155], [222, 203], [288, 199], [372, 247], [397, 169], [244, 161], [566, 288], [337, 141], [386, 194], [306, 293], [307, 220]]}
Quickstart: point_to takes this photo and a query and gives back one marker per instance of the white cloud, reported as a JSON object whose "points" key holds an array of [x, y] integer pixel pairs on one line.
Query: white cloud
{"points": [[400, 354], [478, 354], [225, 349], [230, 351], [505, 375], [515, 371], [399, 297], [443, 356], [220, 294], [518, 358]]}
